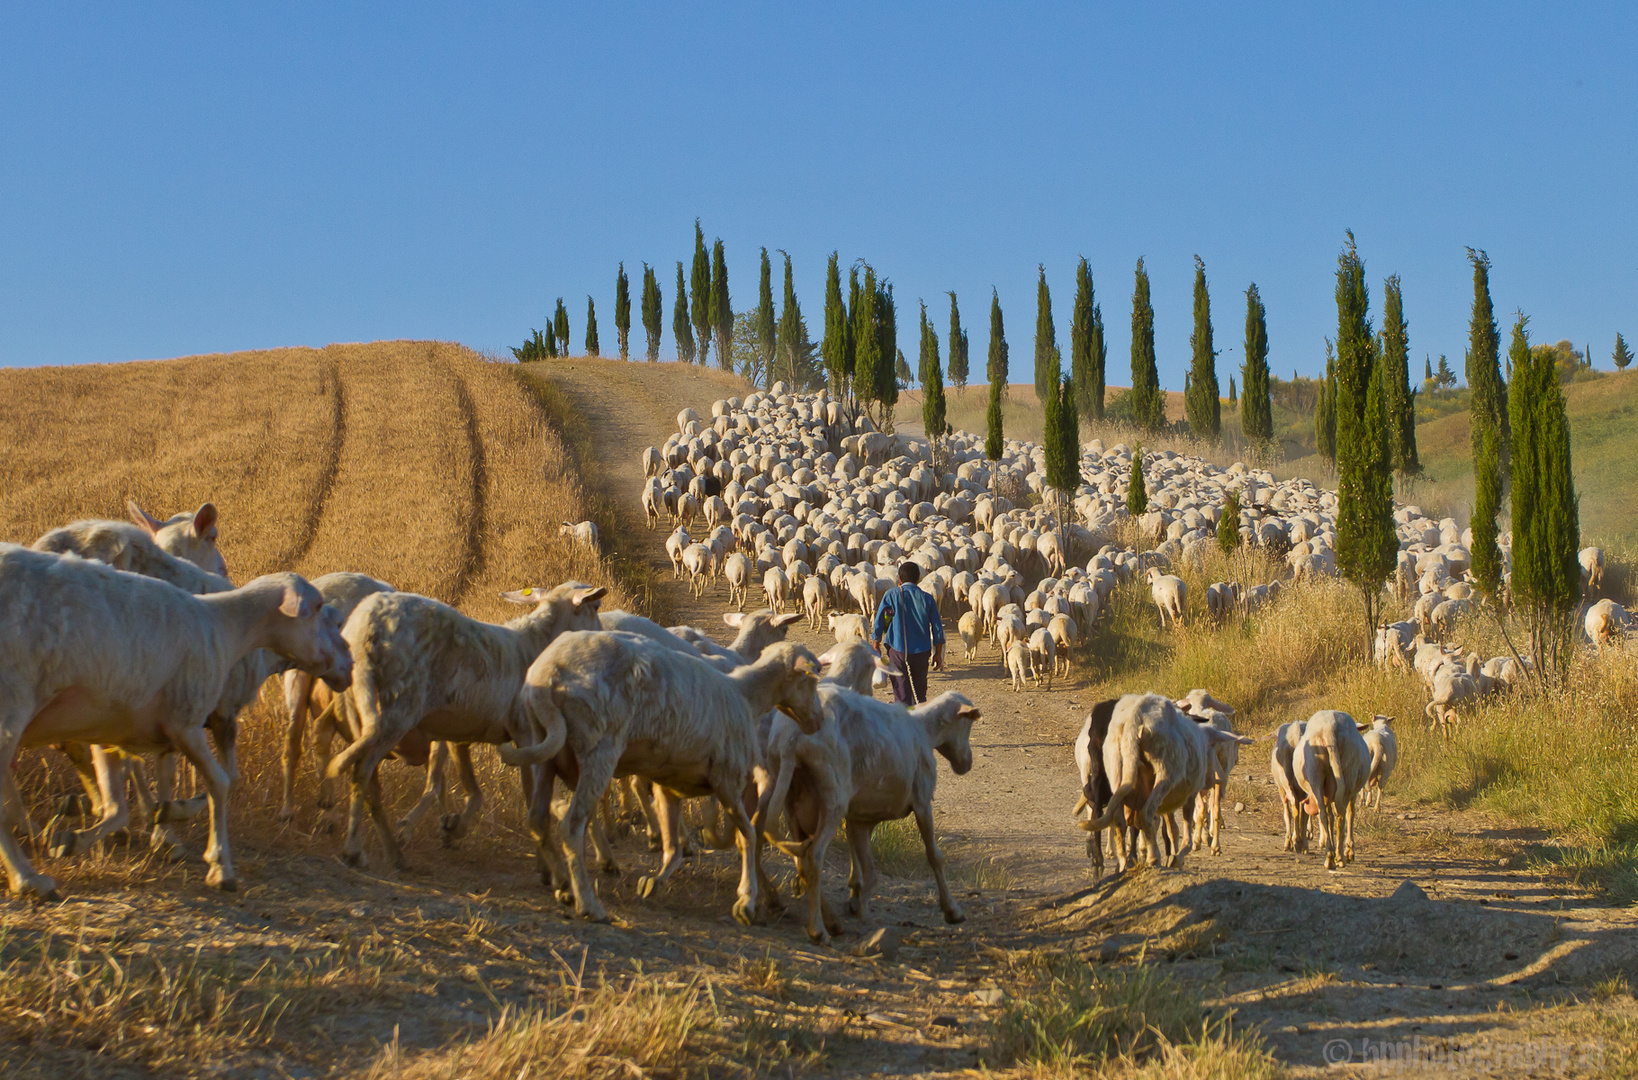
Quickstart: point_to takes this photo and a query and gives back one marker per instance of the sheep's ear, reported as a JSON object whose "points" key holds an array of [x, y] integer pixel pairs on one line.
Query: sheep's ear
{"points": [[970, 712], [530, 596], [785, 619], [886, 668], [204, 522], [733, 619], [149, 523], [1362, 727], [299, 603], [827, 658], [589, 596]]}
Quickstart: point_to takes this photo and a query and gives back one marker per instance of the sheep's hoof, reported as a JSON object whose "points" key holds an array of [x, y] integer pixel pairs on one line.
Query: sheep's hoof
{"points": [[565, 895], [654, 844], [646, 885], [855, 907], [819, 937], [453, 828], [744, 912], [610, 868], [43, 888], [355, 859], [64, 844], [217, 879], [593, 914], [286, 814], [954, 915]]}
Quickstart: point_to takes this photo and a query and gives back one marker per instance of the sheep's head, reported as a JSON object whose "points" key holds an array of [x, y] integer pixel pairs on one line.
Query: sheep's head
{"points": [[304, 629], [799, 686], [955, 737], [191, 537]]}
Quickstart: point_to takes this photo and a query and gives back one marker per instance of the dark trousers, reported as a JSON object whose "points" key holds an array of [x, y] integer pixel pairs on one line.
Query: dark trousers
{"points": [[911, 688]]}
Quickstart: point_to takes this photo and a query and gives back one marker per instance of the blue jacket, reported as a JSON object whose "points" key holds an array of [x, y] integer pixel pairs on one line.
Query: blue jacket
{"points": [[915, 626]]}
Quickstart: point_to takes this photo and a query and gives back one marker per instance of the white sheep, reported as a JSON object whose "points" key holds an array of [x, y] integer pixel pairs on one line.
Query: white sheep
{"points": [[967, 627], [1043, 656], [1384, 749], [1221, 599], [1280, 766], [582, 534], [1605, 621], [815, 600], [1592, 568], [189, 537], [1066, 636], [848, 627], [1208, 807], [696, 562], [1452, 687], [675, 545], [82, 662], [1332, 764], [737, 570], [776, 587], [607, 704], [1171, 596], [422, 664], [868, 762], [1016, 658]]}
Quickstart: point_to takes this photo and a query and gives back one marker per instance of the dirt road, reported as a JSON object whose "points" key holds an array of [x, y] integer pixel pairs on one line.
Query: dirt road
{"points": [[1469, 950]]}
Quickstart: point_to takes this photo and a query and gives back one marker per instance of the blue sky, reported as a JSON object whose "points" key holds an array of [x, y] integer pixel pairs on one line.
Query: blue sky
{"points": [[183, 179]]}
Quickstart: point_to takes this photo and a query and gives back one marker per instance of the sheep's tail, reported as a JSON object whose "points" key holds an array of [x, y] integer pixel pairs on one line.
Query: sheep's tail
{"points": [[775, 796], [361, 740], [1112, 811], [538, 711]]}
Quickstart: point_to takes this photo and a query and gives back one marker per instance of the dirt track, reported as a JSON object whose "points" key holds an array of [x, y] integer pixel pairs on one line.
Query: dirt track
{"points": [[1310, 955]]}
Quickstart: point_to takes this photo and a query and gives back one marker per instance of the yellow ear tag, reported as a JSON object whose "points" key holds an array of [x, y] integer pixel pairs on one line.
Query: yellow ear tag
{"points": [[528, 592]]}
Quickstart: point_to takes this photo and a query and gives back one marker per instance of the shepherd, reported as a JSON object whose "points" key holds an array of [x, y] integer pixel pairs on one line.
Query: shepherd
{"points": [[908, 620]]}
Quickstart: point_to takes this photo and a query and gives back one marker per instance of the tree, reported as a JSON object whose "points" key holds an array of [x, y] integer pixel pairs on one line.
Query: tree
{"points": [[1427, 367], [834, 346], [932, 383], [868, 355], [958, 348], [1061, 439], [1400, 399], [766, 329], [1086, 351], [591, 326], [1148, 402], [1487, 558], [679, 321], [795, 352], [560, 327], [722, 313], [1444, 378], [1546, 580], [1234, 392], [997, 369], [1325, 413], [653, 311], [622, 310], [1137, 494], [534, 348], [1228, 526], [852, 361], [1622, 356], [1202, 399], [701, 308], [1487, 405], [994, 440], [1367, 545], [887, 332], [1046, 342], [903, 377]]}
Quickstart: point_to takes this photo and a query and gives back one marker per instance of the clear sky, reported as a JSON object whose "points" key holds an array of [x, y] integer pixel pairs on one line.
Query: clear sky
{"points": [[180, 179]]}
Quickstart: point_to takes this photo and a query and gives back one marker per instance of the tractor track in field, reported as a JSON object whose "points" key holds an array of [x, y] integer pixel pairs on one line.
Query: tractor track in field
{"points": [[307, 531]]}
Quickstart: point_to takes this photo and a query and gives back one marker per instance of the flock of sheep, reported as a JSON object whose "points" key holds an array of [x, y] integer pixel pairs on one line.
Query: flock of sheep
{"points": [[129, 645]]}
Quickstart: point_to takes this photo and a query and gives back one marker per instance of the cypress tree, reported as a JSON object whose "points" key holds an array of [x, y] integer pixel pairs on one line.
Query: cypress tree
{"points": [[1234, 392], [679, 321], [795, 351], [1427, 370], [997, 369], [560, 327], [921, 354], [1325, 413], [1081, 346], [722, 312], [1487, 559], [1401, 401], [958, 348], [591, 326], [1622, 356], [904, 377], [766, 328], [1203, 402], [1487, 406], [1148, 402], [834, 346], [890, 360], [1228, 526], [1046, 342], [1367, 545], [1546, 580], [868, 355], [700, 283], [1061, 439], [1100, 363], [653, 312], [622, 310], [994, 439], [852, 360], [932, 383], [1137, 494]]}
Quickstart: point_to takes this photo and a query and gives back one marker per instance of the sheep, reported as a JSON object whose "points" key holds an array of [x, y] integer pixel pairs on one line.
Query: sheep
{"points": [[1043, 656], [1171, 595], [613, 704], [83, 663], [815, 600], [1151, 746], [1332, 764], [1285, 779], [1095, 790], [1393, 642], [776, 587], [189, 537], [582, 535], [1591, 560], [675, 545], [653, 502], [1208, 807], [737, 569], [652, 462], [1384, 749], [696, 562], [1605, 621], [847, 627], [1198, 702], [1221, 599], [868, 762], [967, 626], [856, 667], [306, 696], [1066, 636], [422, 664], [1016, 658], [1451, 687]]}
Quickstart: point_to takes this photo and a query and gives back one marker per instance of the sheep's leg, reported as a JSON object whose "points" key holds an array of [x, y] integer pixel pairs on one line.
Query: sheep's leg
{"points": [[13, 720], [1346, 813], [383, 824], [596, 770], [324, 733], [167, 807], [433, 794], [1326, 836], [822, 921], [13, 812], [80, 756], [366, 793], [644, 793], [457, 825], [862, 878], [1286, 820], [160, 837], [191, 741], [298, 686], [110, 773], [935, 859], [1217, 816]]}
